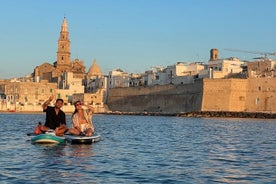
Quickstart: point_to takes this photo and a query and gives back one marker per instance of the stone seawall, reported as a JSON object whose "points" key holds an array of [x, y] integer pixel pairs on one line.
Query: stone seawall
{"points": [[165, 99], [203, 114], [207, 95]]}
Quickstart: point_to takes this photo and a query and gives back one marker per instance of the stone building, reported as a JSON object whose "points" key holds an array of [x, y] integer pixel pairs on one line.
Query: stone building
{"points": [[53, 72], [29, 92], [261, 69], [65, 78], [95, 79], [223, 68], [27, 96], [118, 79]]}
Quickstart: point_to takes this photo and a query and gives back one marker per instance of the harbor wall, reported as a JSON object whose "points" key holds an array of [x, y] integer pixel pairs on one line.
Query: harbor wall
{"points": [[224, 95], [214, 95], [165, 98], [204, 95]]}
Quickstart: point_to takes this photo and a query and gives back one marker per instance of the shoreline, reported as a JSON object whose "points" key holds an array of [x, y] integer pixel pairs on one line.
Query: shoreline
{"points": [[201, 114], [204, 114]]}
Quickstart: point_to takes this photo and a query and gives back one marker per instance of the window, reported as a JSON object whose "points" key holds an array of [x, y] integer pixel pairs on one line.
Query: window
{"points": [[257, 101]]}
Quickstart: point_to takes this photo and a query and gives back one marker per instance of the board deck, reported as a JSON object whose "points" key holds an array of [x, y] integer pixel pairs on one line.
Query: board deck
{"points": [[73, 139]]}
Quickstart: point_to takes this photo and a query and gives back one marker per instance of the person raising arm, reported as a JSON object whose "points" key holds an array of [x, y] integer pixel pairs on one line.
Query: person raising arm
{"points": [[82, 120], [55, 117]]}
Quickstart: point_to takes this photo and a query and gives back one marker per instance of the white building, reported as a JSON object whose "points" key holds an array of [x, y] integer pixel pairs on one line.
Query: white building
{"points": [[221, 68], [117, 78], [74, 85], [180, 73]]}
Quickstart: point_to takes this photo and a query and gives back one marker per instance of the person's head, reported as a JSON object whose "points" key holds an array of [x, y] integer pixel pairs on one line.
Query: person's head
{"points": [[59, 103], [77, 104]]}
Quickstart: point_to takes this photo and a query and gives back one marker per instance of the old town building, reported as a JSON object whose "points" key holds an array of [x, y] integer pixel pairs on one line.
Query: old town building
{"points": [[228, 84], [65, 78], [54, 72]]}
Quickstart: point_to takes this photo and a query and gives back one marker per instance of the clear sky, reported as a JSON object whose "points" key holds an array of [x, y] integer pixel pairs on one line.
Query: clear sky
{"points": [[132, 35]]}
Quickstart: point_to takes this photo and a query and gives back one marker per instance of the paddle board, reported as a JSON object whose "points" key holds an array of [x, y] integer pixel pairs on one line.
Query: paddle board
{"points": [[48, 138], [76, 139]]}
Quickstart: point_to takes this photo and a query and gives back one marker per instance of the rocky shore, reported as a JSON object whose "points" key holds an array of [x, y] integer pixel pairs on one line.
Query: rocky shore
{"points": [[220, 114], [202, 114]]}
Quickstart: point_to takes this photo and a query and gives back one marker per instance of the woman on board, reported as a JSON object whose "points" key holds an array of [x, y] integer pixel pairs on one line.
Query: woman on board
{"points": [[82, 120]]}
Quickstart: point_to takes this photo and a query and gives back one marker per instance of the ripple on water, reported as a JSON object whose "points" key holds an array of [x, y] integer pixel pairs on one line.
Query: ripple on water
{"points": [[144, 149]]}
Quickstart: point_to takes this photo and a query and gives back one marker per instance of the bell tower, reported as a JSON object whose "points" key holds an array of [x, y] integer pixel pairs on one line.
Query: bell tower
{"points": [[214, 54], [63, 52]]}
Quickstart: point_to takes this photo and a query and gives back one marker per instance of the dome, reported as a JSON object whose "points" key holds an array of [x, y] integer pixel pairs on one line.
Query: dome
{"points": [[94, 70]]}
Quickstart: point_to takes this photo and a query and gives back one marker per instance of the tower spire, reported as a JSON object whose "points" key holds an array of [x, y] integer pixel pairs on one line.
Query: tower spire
{"points": [[64, 26], [63, 53]]}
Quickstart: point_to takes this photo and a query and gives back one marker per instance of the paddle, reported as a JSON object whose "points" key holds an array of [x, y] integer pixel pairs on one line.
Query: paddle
{"points": [[31, 134]]}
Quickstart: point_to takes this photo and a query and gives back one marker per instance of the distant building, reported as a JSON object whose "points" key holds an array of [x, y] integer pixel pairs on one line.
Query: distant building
{"points": [[222, 68], [70, 76], [265, 68], [65, 78], [183, 73], [118, 78], [95, 79], [29, 92], [53, 72]]}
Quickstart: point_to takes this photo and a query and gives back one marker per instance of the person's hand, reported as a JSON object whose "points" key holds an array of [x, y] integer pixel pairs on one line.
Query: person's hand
{"points": [[51, 98]]}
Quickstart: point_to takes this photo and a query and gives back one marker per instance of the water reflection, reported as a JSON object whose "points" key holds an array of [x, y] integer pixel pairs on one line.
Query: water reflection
{"points": [[80, 150], [50, 150]]}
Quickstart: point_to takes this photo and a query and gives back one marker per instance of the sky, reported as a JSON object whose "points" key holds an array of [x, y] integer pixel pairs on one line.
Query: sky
{"points": [[133, 35]]}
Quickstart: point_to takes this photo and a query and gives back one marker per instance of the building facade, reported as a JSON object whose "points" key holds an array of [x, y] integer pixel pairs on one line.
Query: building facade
{"points": [[53, 72], [64, 79]]}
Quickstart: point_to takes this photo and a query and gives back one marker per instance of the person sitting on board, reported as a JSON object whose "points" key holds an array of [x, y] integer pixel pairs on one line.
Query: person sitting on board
{"points": [[82, 120], [55, 117], [37, 129]]}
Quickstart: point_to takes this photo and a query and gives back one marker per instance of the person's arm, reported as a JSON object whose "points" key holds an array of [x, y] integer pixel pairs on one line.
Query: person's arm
{"points": [[90, 113], [47, 102], [90, 108], [63, 119]]}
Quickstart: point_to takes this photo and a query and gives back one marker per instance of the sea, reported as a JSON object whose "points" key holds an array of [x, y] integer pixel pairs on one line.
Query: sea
{"points": [[143, 149]]}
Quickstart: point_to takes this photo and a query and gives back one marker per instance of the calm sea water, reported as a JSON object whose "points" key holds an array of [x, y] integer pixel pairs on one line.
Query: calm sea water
{"points": [[143, 149]]}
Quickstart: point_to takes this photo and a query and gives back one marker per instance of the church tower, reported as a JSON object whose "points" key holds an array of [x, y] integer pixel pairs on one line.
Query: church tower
{"points": [[214, 54], [63, 53]]}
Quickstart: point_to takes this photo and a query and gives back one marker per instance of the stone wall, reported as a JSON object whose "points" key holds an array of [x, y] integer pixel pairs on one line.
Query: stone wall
{"points": [[261, 95], [165, 98], [29, 92], [225, 95]]}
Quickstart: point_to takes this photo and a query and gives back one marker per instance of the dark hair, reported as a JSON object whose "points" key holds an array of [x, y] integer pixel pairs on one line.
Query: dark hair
{"points": [[76, 102], [59, 99], [76, 110]]}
